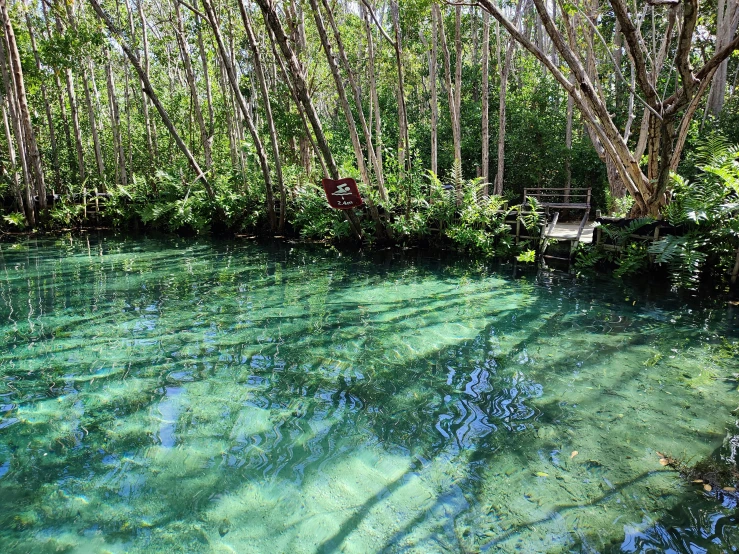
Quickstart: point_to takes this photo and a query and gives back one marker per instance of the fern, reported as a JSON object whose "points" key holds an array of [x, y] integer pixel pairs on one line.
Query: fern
{"points": [[588, 259], [155, 212], [621, 235], [683, 256], [633, 260], [456, 176], [17, 219]]}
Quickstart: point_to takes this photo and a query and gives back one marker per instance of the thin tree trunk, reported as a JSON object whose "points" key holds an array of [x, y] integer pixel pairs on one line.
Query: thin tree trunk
{"points": [[24, 197], [13, 173], [301, 91], [338, 82], [433, 78], [299, 45], [47, 105], [190, 78], [231, 73], [29, 137], [403, 138], [258, 67], [353, 134], [725, 28], [151, 133], [93, 125], [458, 80], [206, 78], [229, 110], [449, 85], [60, 99], [504, 72], [358, 102], [568, 145], [485, 101], [74, 110], [475, 52], [120, 155], [149, 90], [374, 98], [306, 141], [87, 66]]}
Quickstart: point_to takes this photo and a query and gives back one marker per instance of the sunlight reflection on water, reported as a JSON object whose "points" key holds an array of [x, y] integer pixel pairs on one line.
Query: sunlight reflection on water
{"points": [[197, 396]]}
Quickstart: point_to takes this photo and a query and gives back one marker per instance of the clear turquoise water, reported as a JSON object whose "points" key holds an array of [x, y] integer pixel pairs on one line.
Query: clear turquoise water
{"points": [[176, 395]]}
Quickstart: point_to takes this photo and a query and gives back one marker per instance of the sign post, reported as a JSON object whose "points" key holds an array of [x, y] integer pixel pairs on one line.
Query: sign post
{"points": [[342, 194]]}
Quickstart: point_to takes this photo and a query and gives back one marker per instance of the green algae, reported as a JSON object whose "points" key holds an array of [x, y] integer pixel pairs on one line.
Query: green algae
{"points": [[163, 395]]}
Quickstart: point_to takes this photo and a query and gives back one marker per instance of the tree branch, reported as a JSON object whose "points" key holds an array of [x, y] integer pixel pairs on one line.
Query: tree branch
{"points": [[632, 37], [618, 69], [682, 57], [379, 26]]}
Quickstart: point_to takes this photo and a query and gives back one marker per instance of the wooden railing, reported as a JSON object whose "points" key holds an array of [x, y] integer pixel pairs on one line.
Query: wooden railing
{"points": [[562, 199]]}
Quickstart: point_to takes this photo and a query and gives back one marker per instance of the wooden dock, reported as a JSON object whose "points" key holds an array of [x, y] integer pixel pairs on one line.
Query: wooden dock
{"points": [[568, 231]]}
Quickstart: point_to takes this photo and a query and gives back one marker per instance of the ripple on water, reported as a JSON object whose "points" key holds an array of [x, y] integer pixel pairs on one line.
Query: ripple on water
{"points": [[218, 396]]}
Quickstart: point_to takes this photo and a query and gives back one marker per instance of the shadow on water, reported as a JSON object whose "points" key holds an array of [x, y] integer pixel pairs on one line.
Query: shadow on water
{"points": [[152, 381]]}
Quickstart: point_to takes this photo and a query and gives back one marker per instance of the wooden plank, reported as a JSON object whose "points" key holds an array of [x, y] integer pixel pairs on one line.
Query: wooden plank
{"points": [[555, 189], [575, 206]]}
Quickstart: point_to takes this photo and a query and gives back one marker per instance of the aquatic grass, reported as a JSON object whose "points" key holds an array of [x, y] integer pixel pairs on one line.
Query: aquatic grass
{"points": [[220, 395]]}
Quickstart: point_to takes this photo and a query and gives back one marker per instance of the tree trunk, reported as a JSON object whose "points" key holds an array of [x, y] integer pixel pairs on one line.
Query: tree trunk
{"points": [[190, 78], [74, 110], [403, 138], [450, 87], [353, 134], [504, 72], [358, 102], [149, 90], [306, 139], [62, 104], [568, 146], [233, 79], [151, 132], [47, 105], [15, 185], [299, 45], [87, 66], [458, 82], [25, 196], [374, 98], [258, 67], [206, 78], [301, 91], [485, 102], [120, 155], [29, 137], [727, 17], [93, 124], [475, 52]]}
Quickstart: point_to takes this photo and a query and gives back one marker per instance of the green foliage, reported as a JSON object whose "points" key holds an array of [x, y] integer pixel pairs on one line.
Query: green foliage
{"points": [[704, 212], [620, 207], [708, 211], [633, 259], [528, 256], [589, 258], [66, 213], [313, 218], [621, 235], [16, 219]]}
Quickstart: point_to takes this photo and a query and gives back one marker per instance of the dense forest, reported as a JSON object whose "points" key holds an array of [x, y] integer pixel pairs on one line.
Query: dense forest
{"points": [[227, 114]]}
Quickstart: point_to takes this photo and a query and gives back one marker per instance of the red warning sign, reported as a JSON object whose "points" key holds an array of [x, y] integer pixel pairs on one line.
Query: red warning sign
{"points": [[342, 194]]}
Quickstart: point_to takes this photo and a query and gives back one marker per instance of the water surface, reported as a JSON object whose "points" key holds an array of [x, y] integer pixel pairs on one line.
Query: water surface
{"points": [[172, 395]]}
